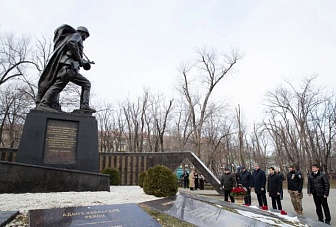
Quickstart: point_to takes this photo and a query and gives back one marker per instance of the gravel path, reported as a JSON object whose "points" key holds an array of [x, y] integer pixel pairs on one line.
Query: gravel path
{"points": [[29, 201]]}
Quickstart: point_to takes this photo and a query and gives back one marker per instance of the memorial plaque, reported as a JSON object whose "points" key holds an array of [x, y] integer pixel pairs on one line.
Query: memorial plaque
{"points": [[118, 215], [60, 142]]}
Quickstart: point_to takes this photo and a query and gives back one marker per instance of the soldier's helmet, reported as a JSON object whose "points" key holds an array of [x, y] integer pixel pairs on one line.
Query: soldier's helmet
{"points": [[83, 29]]}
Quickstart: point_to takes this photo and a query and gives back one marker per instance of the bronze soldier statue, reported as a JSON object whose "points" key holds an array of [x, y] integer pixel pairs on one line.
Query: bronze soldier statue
{"points": [[63, 67]]}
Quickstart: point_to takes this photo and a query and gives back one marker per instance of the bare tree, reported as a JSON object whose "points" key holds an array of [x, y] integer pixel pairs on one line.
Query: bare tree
{"points": [[217, 137], [14, 56], [135, 119], [209, 71], [160, 114], [13, 108], [323, 132], [259, 146], [104, 117], [301, 124], [240, 136], [181, 130]]}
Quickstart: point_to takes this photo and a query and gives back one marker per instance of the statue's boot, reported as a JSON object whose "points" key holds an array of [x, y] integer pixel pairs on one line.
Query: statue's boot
{"points": [[46, 102], [45, 107], [84, 101]]}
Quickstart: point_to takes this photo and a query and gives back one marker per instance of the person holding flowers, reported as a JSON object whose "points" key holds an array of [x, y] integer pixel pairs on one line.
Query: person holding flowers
{"points": [[228, 181], [246, 181]]}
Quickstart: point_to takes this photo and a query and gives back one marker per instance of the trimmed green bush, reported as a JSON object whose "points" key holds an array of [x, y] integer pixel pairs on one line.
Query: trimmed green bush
{"points": [[160, 181], [114, 175], [142, 176]]}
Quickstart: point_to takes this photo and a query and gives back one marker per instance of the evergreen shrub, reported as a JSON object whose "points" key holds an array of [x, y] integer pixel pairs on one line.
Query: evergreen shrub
{"points": [[114, 175], [160, 181], [142, 176]]}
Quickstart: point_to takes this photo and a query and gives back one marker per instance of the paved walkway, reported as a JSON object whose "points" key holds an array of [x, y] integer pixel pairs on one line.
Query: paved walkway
{"points": [[307, 202]]}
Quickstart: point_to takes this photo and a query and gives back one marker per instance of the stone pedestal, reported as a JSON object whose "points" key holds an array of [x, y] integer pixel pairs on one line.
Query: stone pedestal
{"points": [[28, 178], [60, 140]]}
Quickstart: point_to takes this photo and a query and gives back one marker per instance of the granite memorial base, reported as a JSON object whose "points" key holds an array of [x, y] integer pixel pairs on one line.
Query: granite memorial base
{"points": [[24, 178], [204, 211], [200, 213], [6, 217], [60, 140], [118, 215]]}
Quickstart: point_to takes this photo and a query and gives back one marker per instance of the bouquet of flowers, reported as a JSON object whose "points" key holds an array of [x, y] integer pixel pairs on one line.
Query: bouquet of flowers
{"points": [[239, 191]]}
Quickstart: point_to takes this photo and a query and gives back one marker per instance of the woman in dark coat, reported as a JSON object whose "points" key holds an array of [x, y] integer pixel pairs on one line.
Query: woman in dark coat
{"points": [[274, 188], [201, 182]]}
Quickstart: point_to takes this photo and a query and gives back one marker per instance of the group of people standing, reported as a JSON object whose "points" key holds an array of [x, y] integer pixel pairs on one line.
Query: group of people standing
{"points": [[318, 186], [192, 180]]}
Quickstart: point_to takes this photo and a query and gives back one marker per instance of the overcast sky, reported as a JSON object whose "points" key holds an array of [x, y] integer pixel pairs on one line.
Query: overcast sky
{"points": [[140, 43]]}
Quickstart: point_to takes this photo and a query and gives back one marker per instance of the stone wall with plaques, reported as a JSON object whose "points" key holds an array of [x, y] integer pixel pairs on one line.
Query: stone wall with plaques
{"points": [[60, 140], [131, 164]]}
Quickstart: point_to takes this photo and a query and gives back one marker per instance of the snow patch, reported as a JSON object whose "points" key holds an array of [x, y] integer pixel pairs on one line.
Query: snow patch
{"points": [[30, 201], [273, 221]]}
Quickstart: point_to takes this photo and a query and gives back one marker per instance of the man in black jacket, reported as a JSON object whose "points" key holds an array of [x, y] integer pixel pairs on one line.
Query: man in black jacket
{"points": [[228, 181], [274, 188], [318, 186], [294, 186], [282, 176], [246, 180], [259, 185]]}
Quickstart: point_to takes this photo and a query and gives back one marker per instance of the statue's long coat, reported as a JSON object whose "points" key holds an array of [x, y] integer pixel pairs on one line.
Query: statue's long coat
{"points": [[49, 73]]}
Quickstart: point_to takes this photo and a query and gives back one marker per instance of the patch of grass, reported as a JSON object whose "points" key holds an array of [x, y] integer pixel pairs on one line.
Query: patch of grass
{"points": [[164, 219], [19, 220]]}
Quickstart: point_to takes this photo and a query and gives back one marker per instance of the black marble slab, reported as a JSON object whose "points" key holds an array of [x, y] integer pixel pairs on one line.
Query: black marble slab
{"points": [[6, 217], [24, 178], [118, 215], [200, 213], [203, 211]]}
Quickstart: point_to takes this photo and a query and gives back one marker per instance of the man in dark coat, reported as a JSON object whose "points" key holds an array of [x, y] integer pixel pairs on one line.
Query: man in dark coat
{"points": [[259, 185], [62, 68], [274, 187], [246, 181], [282, 176], [318, 186], [294, 186], [185, 179], [228, 181]]}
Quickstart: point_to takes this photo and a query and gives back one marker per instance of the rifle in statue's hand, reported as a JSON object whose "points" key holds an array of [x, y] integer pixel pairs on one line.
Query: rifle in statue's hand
{"points": [[87, 63], [75, 65]]}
